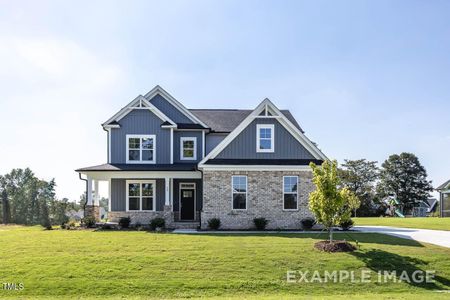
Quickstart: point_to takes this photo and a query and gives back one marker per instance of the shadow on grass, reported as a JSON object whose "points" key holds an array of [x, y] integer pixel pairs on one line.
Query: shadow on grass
{"points": [[372, 238], [383, 261]]}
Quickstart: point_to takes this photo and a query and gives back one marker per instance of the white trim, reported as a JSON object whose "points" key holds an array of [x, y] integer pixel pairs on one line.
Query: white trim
{"points": [[141, 136], [232, 193], [140, 182], [203, 144], [167, 191], [283, 121], [89, 200], [142, 104], [106, 175], [159, 90], [254, 168], [290, 193], [171, 146], [109, 144], [188, 138], [195, 198], [272, 138], [109, 195]]}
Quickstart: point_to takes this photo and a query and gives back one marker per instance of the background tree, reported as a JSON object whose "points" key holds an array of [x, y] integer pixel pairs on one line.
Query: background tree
{"points": [[330, 203], [403, 176], [359, 176]]}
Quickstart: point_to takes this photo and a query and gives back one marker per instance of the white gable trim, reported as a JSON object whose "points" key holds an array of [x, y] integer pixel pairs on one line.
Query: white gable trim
{"points": [[157, 90], [266, 105], [138, 103]]}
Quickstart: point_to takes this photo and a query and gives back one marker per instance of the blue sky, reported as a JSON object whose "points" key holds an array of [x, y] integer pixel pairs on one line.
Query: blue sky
{"points": [[365, 79]]}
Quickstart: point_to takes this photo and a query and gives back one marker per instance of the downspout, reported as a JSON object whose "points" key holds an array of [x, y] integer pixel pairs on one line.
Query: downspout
{"points": [[200, 215], [85, 202]]}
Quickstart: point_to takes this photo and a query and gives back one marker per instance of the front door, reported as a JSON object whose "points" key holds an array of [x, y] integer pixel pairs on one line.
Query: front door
{"points": [[187, 203]]}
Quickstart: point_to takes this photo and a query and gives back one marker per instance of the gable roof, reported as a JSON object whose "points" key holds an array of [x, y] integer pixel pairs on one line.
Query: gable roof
{"points": [[226, 120], [271, 111], [443, 186]]}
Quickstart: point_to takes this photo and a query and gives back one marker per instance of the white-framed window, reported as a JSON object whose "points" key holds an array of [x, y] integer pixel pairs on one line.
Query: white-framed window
{"points": [[290, 192], [265, 138], [188, 148], [141, 195], [239, 192], [141, 149]]}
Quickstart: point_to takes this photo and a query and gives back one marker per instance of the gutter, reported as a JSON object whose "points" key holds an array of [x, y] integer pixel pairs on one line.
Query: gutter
{"points": [[200, 216]]}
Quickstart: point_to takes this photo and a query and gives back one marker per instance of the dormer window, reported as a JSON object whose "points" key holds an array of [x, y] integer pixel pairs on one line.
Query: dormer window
{"points": [[141, 149], [265, 138], [188, 148]]}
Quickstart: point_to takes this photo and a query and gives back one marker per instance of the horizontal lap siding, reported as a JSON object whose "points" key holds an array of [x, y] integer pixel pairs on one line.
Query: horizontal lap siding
{"points": [[118, 194], [244, 145]]}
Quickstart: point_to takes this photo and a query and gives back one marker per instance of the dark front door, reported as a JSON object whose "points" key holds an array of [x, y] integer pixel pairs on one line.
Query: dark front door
{"points": [[187, 204]]}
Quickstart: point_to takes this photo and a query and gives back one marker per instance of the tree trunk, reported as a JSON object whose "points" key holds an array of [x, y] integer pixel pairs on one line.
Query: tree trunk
{"points": [[330, 230], [6, 210]]}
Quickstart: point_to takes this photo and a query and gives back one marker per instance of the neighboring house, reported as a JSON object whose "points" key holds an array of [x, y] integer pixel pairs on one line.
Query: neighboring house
{"points": [[444, 203], [190, 165]]}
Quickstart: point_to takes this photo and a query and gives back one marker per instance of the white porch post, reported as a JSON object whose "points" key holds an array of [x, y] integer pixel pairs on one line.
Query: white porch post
{"points": [[89, 191], [96, 194], [167, 193]]}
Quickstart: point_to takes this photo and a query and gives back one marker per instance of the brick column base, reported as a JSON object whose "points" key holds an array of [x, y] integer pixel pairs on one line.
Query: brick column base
{"points": [[92, 210]]}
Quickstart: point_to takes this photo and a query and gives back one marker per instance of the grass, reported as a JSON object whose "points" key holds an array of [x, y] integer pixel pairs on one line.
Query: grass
{"points": [[136, 264], [423, 223]]}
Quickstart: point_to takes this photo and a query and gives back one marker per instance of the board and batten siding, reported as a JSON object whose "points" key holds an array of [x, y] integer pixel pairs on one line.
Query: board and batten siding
{"points": [[244, 145], [140, 122], [176, 145], [212, 140], [169, 110], [119, 197]]}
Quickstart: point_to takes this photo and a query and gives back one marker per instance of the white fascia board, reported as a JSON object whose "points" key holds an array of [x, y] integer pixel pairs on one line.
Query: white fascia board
{"points": [[266, 104], [107, 175], [159, 90], [254, 168]]}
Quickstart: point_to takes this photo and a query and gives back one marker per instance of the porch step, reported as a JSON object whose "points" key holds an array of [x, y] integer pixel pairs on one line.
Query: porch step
{"points": [[186, 225]]}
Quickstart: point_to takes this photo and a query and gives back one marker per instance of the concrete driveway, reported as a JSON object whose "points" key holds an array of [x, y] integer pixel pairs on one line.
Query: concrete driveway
{"points": [[436, 237]]}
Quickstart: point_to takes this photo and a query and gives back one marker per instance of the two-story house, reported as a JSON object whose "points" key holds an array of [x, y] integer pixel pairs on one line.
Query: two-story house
{"points": [[190, 165]]}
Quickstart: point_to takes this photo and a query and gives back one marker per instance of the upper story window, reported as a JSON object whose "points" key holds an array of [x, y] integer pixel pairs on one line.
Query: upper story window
{"points": [[290, 195], [239, 192], [265, 138], [188, 148], [141, 149]]}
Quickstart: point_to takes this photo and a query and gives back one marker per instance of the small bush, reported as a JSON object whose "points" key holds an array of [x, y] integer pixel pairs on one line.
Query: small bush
{"points": [[157, 223], [89, 222], [347, 224], [260, 223], [124, 222], [308, 223], [214, 223]]}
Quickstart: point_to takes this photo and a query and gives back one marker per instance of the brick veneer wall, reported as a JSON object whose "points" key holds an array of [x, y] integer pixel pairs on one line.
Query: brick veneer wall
{"points": [[264, 199]]}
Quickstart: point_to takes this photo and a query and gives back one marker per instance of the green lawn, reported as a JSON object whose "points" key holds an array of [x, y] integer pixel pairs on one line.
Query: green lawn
{"points": [[424, 223], [114, 264]]}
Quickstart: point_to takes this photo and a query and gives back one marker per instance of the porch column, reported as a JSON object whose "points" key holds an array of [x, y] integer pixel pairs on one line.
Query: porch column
{"points": [[89, 200], [96, 194], [167, 193]]}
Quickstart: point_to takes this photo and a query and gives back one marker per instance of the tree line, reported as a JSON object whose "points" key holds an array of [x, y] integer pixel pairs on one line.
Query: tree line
{"points": [[401, 176]]}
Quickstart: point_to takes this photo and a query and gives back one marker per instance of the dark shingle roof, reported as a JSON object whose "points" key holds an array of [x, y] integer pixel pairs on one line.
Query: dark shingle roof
{"points": [[278, 162], [225, 120], [140, 167], [189, 126], [443, 186]]}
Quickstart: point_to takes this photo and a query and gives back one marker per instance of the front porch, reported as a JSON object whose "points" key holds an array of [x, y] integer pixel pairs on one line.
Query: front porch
{"points": [[175, 196]]}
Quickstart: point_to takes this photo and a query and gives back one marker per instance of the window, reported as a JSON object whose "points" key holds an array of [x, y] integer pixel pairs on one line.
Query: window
{"points": [[188, 148], [290, 184], [141, 149], [265, 138], [140, 195], [239, 188]]}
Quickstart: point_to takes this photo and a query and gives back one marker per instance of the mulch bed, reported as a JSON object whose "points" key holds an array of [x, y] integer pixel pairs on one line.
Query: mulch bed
{"points": [[335, 246]]}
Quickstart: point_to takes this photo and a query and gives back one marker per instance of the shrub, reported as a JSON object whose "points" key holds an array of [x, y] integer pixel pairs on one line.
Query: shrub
{"points": [[347, 224], [89, 221], [157, 223], [124, 222], [214, 223], [308, 223], [260, 223]]}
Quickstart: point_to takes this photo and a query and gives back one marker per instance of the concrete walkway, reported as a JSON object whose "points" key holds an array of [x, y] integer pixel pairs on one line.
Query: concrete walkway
{"points": [[436, 237]]}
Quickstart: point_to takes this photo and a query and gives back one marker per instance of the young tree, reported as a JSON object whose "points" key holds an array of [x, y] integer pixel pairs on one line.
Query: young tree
{"points": [[404, 176], [359, 176], [330, 203]]}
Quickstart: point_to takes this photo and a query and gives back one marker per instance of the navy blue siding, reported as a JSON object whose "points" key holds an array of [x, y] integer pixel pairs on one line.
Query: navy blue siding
{"points": [[140, 122], [198, 193], [244, 145], [118, 194], [169, 110], [212, 140], [176, 145]]}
